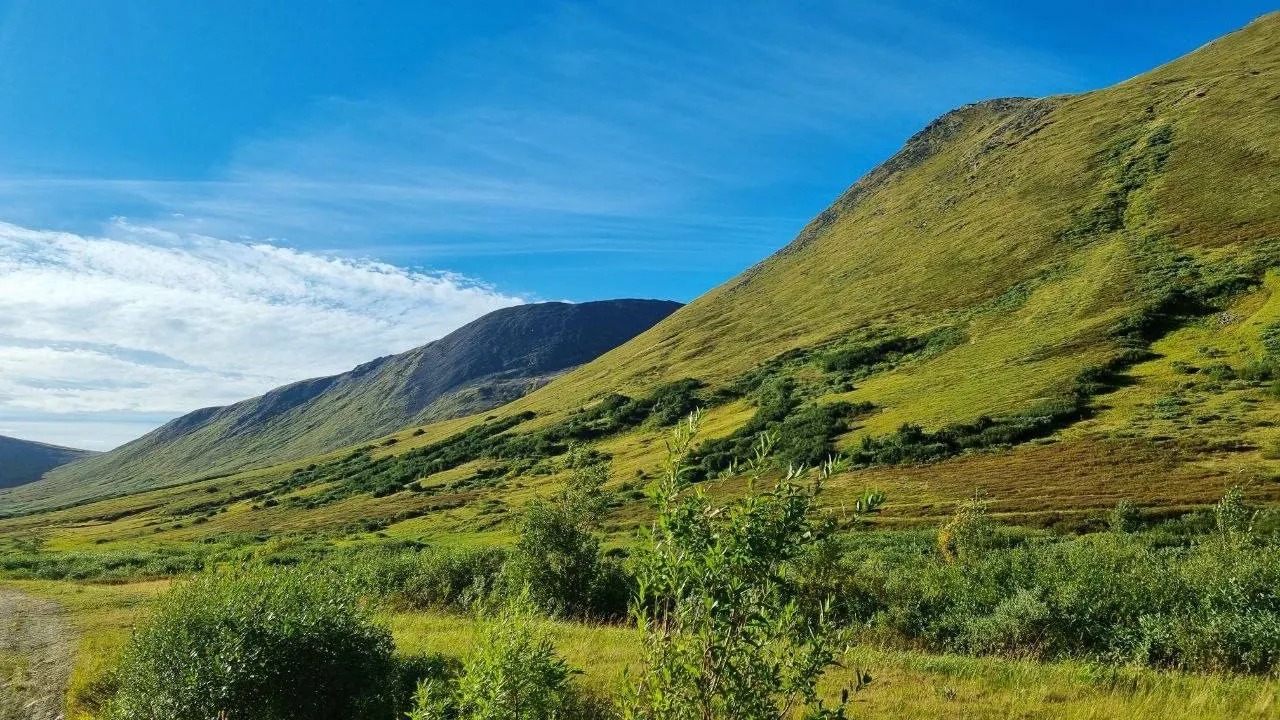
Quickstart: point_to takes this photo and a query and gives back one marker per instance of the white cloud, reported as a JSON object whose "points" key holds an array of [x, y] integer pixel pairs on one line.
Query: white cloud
{"points": [[147, 322]]}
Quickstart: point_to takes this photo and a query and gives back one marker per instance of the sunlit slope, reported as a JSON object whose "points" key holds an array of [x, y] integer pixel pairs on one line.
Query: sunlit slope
{"points": [[1174, 438], [984, 219]]}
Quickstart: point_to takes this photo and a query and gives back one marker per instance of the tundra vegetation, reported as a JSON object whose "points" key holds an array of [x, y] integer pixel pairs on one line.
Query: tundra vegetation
{"points": [[749, 607]]}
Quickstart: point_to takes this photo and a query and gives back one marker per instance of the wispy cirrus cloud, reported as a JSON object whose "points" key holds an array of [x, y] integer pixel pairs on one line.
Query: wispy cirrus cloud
{"points": [[150, 324], [618, 128]]}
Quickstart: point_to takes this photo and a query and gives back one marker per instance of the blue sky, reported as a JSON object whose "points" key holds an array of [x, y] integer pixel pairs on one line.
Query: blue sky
{"points": [[432, 161]]}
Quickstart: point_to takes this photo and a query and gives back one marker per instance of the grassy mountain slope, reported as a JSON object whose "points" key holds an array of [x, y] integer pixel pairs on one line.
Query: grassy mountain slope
{"points": [[986, 219], [479, 366], [1070, 300], [23, 461]]}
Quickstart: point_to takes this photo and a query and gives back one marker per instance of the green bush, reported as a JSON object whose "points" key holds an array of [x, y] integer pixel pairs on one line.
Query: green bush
{"points": [[264, 644], [359, 472], [863, 356], [1016, 626], [725, 629], [1219, 371], [913, 444], [444, 578], [1125, 517], [514, 673], [1234, 517], [1209, 602], [801, 436], [969, 534], [557, 559], [1259, 370], [27, 563]]}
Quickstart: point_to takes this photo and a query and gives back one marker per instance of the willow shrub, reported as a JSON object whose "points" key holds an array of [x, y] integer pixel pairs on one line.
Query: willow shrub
{"points": [[1211, 605], [721, 610], [259, 644], [513, 673]]}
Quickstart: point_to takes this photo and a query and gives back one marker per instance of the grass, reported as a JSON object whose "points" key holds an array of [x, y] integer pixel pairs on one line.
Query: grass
{"points": [[485, 364], [913, 684], [102, 617], [906, 683], [909, 684]]}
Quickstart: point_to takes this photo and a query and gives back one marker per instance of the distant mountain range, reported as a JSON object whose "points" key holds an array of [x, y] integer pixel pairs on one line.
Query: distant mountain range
{"points": [[482, 365], [23, 461]]}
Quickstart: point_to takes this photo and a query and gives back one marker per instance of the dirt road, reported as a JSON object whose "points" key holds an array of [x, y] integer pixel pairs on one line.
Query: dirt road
{"points": [[35, 657]]}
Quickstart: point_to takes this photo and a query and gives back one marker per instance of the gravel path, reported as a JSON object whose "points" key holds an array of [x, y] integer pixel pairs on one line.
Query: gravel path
{"points": [[35, 657]]}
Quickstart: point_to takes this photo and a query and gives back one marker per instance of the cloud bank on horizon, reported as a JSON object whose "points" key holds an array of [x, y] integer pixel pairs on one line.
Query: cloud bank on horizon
{"points": [[102, 337]]}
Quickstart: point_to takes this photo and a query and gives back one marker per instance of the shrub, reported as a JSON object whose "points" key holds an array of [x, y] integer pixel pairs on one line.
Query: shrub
{"points": [[968, 534], [1168, 407], [1016, 626], [913, 444], [266, 644], [437, 577], [869, 501], [1125, 517], [718, 605], [24, 563], [1219, 371], [800, 436], [513, 674], [1234, 517], [669, 403], [1207, 604], [804, 438], [865, 355], [557, 557], [1259, 370]]}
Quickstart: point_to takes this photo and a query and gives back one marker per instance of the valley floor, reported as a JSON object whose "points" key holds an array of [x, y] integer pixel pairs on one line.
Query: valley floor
{"points": [[95, 620]]}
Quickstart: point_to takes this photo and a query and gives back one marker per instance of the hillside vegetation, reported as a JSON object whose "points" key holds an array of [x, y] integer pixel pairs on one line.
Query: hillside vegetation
{"points": [[483, 364]]}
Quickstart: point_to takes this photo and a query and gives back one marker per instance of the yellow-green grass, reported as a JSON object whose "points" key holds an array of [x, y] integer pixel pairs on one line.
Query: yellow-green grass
{"points": [[906, 683], [965, 234], [974, 219], [1123, 452]]}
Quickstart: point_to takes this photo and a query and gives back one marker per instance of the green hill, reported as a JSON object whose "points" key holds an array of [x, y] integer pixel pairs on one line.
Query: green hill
{"points": [[1034, 226], [481, 365], [1059, 302], [24, 461]]}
